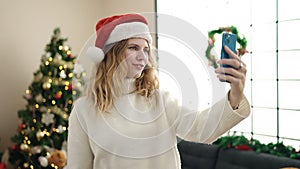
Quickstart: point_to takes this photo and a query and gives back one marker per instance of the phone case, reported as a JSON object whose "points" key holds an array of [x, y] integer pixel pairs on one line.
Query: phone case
{"points": [[230, 41]]}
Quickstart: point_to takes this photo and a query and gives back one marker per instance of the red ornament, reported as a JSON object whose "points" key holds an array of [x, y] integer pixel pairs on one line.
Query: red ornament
{"points": [[70, 87], [21, 126], [58, 95], [2, 165], [13, 147], [70, 55]]}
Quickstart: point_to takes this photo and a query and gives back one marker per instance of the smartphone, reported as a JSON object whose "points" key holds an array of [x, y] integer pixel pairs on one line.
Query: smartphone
{"points": [[228, 40]]}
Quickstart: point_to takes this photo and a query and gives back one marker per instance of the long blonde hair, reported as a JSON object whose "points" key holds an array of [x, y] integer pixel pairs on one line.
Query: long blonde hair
{"points": [[111, 73]]}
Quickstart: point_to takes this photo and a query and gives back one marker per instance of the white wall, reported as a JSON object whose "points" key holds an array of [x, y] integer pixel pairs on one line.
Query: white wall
{"points": [[27, 26]]}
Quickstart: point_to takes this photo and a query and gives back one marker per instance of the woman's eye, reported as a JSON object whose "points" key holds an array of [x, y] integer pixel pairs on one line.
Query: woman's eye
{"points": [[132, 47]]}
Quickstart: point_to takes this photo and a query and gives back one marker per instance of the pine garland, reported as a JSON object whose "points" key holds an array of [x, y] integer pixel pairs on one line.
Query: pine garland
{"points": [[242, 143]]}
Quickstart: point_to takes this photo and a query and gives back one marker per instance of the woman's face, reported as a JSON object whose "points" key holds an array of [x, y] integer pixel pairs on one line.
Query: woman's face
{"points": [[136, 53]]}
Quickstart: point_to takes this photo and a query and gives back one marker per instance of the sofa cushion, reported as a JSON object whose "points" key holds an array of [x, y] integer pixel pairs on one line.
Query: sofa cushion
{"points": [[236, 159], [197, 155]]}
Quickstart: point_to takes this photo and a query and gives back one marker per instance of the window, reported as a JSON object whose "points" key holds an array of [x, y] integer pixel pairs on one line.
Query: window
{"points": [[273, 78]]}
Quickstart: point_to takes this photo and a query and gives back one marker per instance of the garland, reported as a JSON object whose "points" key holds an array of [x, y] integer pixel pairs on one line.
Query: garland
{"points": [[242, 143], [211, 43]]}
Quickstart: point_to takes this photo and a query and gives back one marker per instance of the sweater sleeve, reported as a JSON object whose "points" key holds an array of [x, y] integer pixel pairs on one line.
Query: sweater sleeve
{"points": [[79, 152], [205, 126]]}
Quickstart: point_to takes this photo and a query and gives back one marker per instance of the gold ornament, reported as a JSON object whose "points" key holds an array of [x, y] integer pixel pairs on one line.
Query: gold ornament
{"points": [[46, 85], [39, 135], [36, 150], [24, 147]]}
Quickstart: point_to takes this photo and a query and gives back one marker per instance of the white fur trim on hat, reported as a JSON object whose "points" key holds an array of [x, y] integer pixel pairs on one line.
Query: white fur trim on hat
{"points": [[95, 54], [129, 30]]}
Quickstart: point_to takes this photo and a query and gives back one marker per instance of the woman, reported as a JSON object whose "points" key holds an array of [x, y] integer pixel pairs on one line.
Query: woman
{"points": [[125, 121]]}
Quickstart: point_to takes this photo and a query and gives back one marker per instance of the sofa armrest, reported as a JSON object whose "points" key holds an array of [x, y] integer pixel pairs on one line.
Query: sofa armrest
{"points": [[197, 155]]}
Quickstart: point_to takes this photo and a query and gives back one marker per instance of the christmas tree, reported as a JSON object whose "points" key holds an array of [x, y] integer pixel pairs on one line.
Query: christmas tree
{"points": [[41, 140]]}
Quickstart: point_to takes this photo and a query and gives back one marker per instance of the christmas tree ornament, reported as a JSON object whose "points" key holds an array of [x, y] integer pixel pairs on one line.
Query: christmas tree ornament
{"points": [[58, 95], [39, 135], [13, 147], [60, 129], [39, 98], [43, 161], [46, 86], [24, 147], [70, 87], [36, 150], [70, 54], [48, 54], [47, 118], [62, 74], [242, 41], [2, 165], [59, 57], [21, 126]]}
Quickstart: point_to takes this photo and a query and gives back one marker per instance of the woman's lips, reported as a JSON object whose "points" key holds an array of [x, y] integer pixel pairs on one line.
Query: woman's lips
{"points": [[139, 66]]}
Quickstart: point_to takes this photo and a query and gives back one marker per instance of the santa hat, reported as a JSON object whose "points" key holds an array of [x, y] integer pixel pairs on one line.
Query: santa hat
{"points": [[116, 28]]}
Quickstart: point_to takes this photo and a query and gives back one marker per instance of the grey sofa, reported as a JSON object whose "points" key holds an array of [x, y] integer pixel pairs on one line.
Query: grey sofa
{"points": [[203, 156]]}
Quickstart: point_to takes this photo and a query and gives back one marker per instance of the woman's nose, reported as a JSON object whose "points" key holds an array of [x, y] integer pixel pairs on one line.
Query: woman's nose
{"points": [[142, 55]]}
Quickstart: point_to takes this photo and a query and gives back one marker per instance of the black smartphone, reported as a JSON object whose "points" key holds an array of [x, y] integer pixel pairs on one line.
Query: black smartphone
{"points": [[228, 40]]}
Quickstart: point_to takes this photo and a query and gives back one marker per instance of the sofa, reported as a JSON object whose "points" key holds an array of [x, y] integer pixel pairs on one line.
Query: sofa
{"points": [[204, 156]]}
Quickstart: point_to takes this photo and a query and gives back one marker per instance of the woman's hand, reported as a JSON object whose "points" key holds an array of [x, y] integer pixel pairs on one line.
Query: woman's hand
{"points": [[236, 77]]}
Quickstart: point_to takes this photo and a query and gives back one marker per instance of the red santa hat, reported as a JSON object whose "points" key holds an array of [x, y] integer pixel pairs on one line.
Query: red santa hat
{"points": [[116, 28]]}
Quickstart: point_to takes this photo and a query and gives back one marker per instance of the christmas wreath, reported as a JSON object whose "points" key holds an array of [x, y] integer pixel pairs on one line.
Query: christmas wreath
{"points": [[242, 41]]}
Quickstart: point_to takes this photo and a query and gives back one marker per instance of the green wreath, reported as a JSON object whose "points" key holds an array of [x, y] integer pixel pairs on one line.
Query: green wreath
{"points": [[211, 43]]}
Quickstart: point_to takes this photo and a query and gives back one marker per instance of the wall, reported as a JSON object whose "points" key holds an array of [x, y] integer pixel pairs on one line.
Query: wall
{"points": [[26, 27]]}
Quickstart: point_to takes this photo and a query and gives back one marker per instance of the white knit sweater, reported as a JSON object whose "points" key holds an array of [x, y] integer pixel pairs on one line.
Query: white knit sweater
{"points": [[142, 134]]}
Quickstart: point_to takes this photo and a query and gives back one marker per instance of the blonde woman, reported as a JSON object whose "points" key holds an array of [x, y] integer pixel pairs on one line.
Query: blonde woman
{"points": [[126, 121]]}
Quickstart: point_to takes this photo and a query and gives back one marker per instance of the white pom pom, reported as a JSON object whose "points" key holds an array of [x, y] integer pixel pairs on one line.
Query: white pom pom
{"points": [[95, 54]]}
